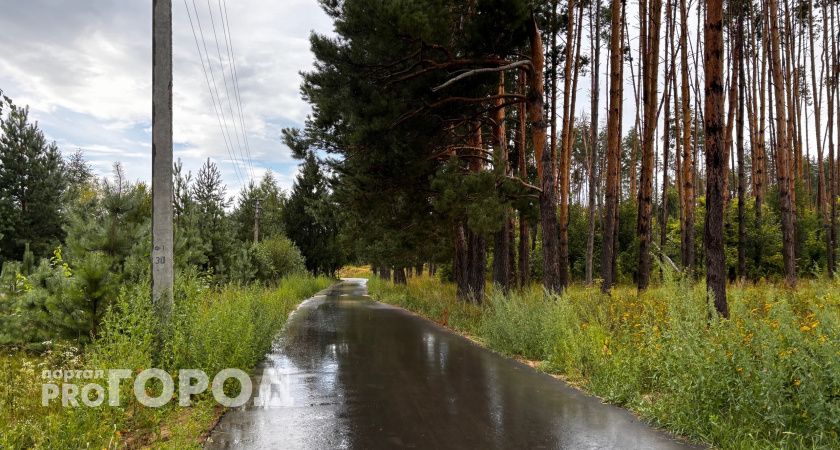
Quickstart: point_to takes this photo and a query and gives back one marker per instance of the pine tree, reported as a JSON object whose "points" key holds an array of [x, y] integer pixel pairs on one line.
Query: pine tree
{"points": [[210, 197], [611, 219], [31, 185], [190, 247], [311, 221], [715, 157]]}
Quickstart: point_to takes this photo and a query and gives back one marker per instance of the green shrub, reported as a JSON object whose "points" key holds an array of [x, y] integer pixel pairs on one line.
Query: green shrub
{"points": [[276, 258]]}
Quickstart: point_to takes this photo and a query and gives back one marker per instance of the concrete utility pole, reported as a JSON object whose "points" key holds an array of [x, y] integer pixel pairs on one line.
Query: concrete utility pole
{"points": [[162, 190]]}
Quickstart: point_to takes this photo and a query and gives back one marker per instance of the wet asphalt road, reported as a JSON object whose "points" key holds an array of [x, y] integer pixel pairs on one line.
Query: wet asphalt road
{"points": [[350, 373]]}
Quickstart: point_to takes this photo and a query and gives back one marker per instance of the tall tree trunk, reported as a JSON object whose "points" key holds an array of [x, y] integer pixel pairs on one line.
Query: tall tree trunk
{"points": [[783, 167], [742, 182], [477, 257], [548, 218], [760, 158], [565, 150], [678, 137], [613, 146], [666, 130], [476, 242], [568, 142], [551, 85], [459, 263], [715, 156], [792, 90], [728, 139], [637, 88], [399, 275], [687, 227], [650, 76], [816, 90], [501, 244], [834, 176], [595, 44], [524, 253]]}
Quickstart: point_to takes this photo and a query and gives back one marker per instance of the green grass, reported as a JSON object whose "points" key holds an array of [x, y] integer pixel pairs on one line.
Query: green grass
{"points": [[767, 378], [211, 329]]}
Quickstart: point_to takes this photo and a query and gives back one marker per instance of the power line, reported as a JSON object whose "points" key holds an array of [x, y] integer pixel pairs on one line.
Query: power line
{"points": [[232, 53], [218, 110], [228, 95]]}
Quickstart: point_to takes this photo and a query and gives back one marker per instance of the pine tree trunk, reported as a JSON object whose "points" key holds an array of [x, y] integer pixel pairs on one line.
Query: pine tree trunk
{"points": [[477, 261], [650, 75], [501, 243], [715, 157], [613, 147], [564, 174], [459, 263], [817, 98], [742, 182], [399, 275], [687, 226], [548, 204], [595, 43], [524, 248], [783, 168], [760, 157], [666, 129], [833, 175], [729, 132], [548, 217]]}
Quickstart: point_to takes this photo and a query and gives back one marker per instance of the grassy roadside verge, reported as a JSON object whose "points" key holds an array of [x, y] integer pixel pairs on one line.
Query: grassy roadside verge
{"points": [[768, 378], [211, 329]]}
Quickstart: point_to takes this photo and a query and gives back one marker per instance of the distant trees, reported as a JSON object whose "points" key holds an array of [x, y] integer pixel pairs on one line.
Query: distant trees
{"points": [[71, 241], [311, 219]]}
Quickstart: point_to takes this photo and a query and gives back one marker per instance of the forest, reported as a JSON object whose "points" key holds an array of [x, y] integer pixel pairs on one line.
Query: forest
{"points": [[665, 173], [707, 146]]}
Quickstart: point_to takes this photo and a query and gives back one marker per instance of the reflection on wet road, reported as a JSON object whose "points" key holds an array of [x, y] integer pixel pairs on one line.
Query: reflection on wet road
{"points": [[351, 373]]}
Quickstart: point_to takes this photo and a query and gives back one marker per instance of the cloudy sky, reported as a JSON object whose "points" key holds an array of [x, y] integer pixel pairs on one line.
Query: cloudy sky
{"points": [[84, 68]]}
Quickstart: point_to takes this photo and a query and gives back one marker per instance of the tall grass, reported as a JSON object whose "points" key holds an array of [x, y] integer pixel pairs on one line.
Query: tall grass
{"points": [[430, 298], [767, 378], [211, 329]]}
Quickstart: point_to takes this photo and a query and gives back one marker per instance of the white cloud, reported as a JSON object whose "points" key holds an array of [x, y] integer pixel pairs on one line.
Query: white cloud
{"points": [[85, 70]]}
